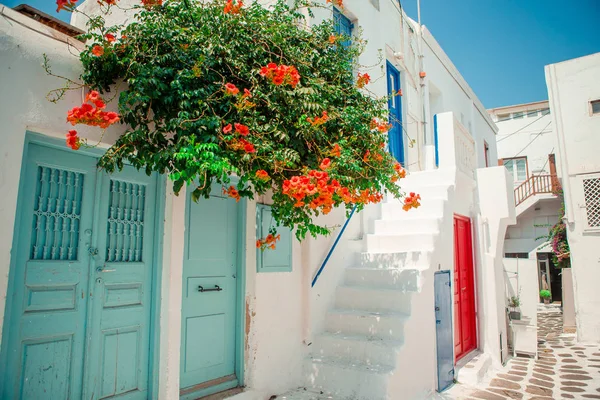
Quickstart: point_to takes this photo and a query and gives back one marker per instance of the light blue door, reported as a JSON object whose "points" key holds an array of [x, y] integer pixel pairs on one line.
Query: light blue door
{"points": [[74, 331], [443, 329], [395, 135], [208, 357]]}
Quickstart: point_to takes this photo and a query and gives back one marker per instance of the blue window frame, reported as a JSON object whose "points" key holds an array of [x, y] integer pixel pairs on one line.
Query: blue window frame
{"points": [[342, 26]]}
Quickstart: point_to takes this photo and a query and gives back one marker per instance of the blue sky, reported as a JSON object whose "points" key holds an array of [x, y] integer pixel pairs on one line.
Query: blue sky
{"points": [[499, 46]]}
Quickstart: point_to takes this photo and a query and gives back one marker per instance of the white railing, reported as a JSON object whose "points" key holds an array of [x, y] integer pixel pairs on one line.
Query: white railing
{"points": [[464, 148]]}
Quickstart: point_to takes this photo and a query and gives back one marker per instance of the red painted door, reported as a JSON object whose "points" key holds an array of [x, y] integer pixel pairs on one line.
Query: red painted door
{"points": [[465, 327]]}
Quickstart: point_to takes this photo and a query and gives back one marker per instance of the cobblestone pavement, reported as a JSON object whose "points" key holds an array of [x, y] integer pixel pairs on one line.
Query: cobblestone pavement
{"points": [[563, 370]]}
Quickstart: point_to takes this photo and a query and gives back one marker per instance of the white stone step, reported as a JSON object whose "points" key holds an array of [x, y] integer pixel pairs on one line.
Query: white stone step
{"points": [[396, 259], [383, 325], [408, 224], [303, 394], [354, 349], [378, 243], [426, 191], [372, 298], [349, 381], [429, 208], [407, 280]]}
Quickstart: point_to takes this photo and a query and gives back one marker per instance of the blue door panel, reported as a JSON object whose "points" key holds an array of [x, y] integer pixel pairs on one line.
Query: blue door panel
{"points": [[396, 142], [443, 317], [78, 324]]}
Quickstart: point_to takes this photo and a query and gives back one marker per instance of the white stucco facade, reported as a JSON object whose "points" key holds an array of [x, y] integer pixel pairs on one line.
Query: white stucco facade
{"points": [[285, 320], [573, 88]]}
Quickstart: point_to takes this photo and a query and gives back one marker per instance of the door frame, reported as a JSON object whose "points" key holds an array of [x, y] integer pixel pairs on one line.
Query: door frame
{"points": [[154, 326], [474, 276], [240, 309]]}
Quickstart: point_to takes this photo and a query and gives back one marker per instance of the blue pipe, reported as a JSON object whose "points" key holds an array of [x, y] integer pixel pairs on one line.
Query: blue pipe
{"points": [[314, 281]]}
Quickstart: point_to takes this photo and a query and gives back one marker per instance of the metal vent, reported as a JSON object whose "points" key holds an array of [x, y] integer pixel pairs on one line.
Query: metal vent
{"points": [[591, 192]]}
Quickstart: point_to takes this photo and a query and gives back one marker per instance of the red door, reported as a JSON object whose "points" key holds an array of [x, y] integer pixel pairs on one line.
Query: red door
{"points": [[465, 328]]}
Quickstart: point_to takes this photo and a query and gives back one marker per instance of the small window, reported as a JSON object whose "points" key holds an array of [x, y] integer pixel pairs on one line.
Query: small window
{"points": [[503, 117], [518, 115], [532, 114], [517, 167], [516, 255], [342, 26], [595, 106], [278, 259]]}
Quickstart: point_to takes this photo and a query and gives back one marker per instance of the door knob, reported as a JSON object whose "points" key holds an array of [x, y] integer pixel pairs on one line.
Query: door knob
{"points": [[93, 251]]}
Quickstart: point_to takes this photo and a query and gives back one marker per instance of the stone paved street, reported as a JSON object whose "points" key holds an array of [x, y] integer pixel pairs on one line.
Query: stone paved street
{"points": [[564, 370]]}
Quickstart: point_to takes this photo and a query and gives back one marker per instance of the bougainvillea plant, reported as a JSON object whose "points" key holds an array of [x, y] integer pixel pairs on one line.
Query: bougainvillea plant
{"points": [[209, 90], [557, 236]]}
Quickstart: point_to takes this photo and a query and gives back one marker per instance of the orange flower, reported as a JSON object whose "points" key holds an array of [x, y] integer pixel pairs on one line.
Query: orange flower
{"points": [[72, 140], [332, 39], [336, 151], [318, 120], [227, 129], [231, 89], [241, 129], [411, 201], [110, 37], [325, 164], [339, 3], [233, 193], [268, 242], [230, 8], [363, 79], [249, 148], [247, 93], [262, 175], [281, 74], [97, 50]]}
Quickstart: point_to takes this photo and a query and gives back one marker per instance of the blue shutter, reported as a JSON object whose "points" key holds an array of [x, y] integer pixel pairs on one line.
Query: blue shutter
{"points": [[342, 26], [280, 259]]}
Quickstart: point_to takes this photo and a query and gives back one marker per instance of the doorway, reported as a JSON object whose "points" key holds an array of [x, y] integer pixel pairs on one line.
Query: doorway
{"points": [[550, 277], [395, 134]]}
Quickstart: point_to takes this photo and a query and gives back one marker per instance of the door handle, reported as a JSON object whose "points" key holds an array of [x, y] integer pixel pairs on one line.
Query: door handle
{"points": [[217, 288]]}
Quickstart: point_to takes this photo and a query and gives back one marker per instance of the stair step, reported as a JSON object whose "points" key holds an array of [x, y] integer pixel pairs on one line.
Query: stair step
{"points": [[400, 279], [428, 191], [383, 325], [303, 394], [378, 243], [408, 224], [354, 349], [372, 298], [432, 208], [396, 259], [349, 381]]}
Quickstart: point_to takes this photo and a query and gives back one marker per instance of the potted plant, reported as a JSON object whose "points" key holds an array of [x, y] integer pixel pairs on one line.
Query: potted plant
{"points": [[515, 312], [545, 294]]}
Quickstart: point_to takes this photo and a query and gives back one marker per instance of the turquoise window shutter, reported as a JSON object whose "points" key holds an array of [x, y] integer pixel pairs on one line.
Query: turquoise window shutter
{"points": [[268, 260]]}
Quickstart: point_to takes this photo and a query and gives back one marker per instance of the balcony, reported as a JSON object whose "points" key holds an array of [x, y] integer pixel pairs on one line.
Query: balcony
{"points": [[536, 184]]}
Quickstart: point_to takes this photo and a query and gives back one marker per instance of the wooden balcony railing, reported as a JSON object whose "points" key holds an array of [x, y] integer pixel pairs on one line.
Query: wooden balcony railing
{"points": [[536, 184]]}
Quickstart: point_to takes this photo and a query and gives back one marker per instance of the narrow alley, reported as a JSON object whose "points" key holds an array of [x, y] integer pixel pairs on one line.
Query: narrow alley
{"points": [[564, 369]]}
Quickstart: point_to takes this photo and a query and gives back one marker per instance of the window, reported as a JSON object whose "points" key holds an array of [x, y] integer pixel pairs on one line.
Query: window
{"points": [[280, 258], [518, 115], [595, 106], [486, 153], [531, 114], [591, 194], [503, 117], [342, 26], [516, 255], [517, 167]]}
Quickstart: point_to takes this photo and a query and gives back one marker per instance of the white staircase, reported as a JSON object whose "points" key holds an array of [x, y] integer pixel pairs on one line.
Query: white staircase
{"points": [[383, 313]]}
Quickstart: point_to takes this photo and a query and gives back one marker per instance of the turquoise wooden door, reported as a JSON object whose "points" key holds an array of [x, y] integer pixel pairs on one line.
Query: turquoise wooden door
{"points": [[74, 332], [209, 294]]}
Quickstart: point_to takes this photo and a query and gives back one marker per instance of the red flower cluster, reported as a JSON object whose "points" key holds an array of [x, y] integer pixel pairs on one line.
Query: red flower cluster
{"points": [[232, 192], [281, 74], [241, 129], [411, 201], [97, 50], [400, 172], [231, 89], [150, 3], [231, 8], [363, 80], [316, 121], [369, 157], [332, 39], [110, 37], [339, 3], [242, 144], [262, 175], [73, 141], [92, 115], [380, 126], [268, 242], [325, 164], [65, 4]]}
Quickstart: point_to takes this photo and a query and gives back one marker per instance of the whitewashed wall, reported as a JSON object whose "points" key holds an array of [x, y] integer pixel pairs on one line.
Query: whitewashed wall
{"points": [[571, 86], [531, 225]]}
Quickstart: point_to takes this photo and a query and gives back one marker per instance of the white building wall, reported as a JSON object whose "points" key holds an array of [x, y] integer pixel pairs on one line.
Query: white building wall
{"points": [[524, 236], [571, 86]]}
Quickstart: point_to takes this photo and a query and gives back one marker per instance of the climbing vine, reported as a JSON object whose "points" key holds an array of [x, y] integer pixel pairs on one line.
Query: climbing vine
{"points": [[207, 90]]}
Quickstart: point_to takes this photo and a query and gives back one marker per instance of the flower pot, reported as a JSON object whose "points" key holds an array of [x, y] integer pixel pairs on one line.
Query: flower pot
{"points": [[546, 301], [514, 315]]}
